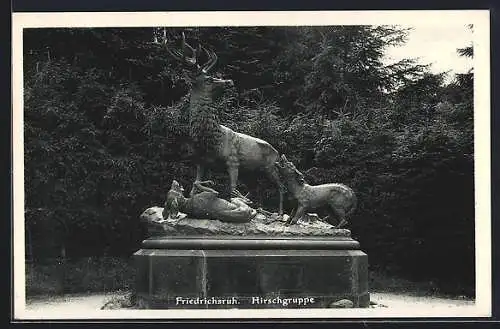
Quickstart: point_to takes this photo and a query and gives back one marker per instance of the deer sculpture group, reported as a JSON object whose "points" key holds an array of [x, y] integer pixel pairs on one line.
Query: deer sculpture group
{"points": [[213, 142], [216, 143]]}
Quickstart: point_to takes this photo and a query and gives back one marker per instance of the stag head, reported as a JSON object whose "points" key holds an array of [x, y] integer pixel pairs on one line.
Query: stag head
{"points": [[189, 56]]}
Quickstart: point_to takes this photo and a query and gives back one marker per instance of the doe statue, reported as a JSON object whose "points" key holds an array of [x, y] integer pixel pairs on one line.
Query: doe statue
{"points": [[338, 198], [216, 143]]}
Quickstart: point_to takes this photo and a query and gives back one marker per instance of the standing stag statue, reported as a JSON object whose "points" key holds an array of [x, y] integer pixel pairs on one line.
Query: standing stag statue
{"points": [[213, 142]]}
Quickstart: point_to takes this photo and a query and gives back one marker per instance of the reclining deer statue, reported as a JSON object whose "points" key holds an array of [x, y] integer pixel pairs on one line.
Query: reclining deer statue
{"points": [[213, 142]]}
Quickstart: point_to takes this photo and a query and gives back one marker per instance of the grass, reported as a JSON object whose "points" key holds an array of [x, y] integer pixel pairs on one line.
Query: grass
{"points": [[86, 275], [381, 282]]}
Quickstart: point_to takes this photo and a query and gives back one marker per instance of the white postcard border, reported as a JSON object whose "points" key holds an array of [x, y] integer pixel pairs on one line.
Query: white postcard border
{"points": [[481, 21]]}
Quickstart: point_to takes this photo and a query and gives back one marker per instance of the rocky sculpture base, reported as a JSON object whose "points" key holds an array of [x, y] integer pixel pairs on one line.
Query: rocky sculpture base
{"points": [[259, 226], [210, 272]]}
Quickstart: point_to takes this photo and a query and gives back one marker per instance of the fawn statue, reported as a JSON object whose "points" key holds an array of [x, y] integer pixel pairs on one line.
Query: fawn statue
{"points": [[339, 198]]}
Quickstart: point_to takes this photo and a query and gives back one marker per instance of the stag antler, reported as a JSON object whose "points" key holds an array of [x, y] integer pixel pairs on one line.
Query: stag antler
{"points": [[212, 59], [192, 60], [177, 54]]}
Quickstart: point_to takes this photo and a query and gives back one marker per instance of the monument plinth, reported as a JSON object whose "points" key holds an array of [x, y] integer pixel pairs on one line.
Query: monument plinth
{"points": [[213, 272]]}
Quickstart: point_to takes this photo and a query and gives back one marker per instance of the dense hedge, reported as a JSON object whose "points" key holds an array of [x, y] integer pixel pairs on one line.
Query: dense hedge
{"points": [[106, 117]]}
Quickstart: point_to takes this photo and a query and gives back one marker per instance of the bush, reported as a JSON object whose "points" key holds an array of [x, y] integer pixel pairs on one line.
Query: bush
{"points": [[89, 274]]}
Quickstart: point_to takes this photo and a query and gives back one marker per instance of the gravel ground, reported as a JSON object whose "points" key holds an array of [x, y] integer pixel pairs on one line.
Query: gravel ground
{"points": [[422, 302], [68, 303], [91, 303]]}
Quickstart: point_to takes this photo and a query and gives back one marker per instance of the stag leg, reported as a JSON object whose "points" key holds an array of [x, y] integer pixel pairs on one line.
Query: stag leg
{"points": [[233, 180], [274, 175], [200, 173], [298, 215], [282, 192]]}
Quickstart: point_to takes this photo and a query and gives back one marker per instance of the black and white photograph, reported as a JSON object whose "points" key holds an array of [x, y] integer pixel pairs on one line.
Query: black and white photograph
{"points": [[220, 165]]}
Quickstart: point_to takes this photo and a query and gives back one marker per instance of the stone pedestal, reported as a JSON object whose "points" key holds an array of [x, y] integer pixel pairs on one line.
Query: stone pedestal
{"points": [[251, 272]]}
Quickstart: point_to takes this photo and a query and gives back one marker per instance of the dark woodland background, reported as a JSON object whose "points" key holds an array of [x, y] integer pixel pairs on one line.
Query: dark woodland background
{"points": [[105, 124]]}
